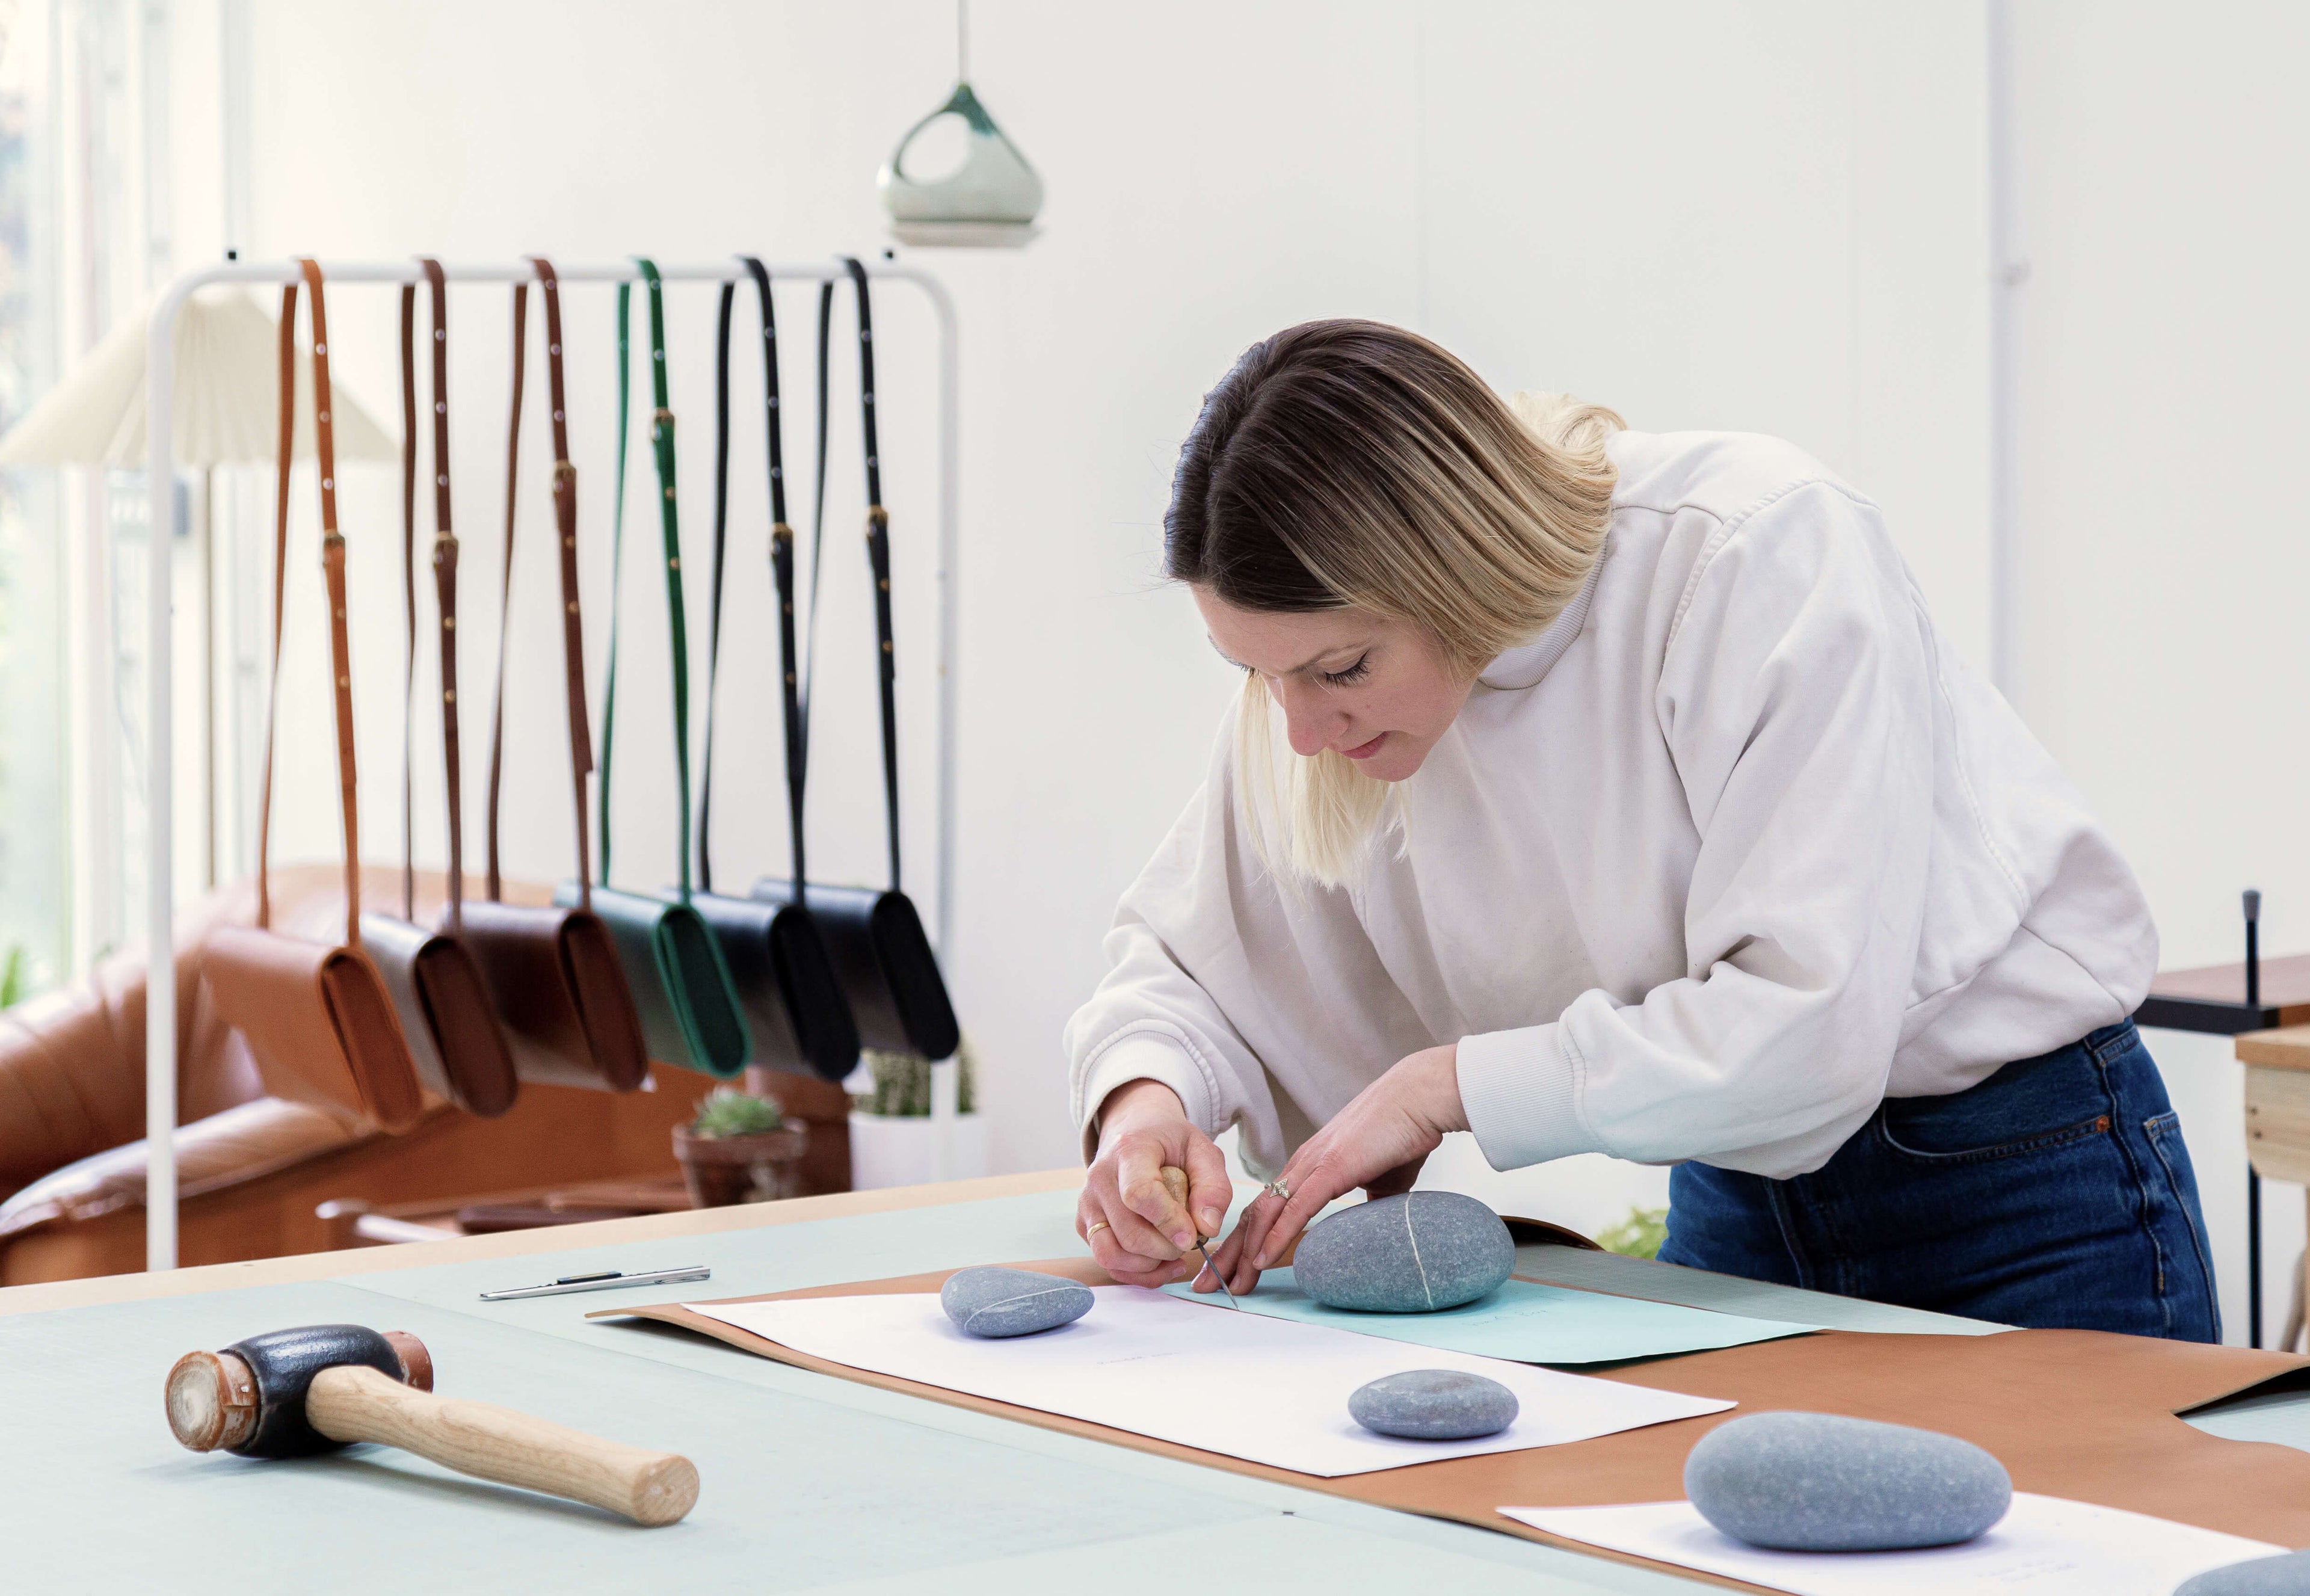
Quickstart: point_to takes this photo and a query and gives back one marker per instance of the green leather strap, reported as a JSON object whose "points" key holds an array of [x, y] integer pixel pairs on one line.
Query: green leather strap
{"points": [[670, 530]]}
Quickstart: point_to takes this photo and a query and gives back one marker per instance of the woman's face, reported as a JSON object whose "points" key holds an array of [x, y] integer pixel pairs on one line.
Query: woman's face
{"points": [[1376, 689]]}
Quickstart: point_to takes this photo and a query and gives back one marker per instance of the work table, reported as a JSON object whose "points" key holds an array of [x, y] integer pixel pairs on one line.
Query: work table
{"points": [[808, 1482]]}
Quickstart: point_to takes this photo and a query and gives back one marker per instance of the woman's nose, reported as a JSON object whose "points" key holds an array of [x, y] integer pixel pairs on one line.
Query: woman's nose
{"points": [[1308, 721]]}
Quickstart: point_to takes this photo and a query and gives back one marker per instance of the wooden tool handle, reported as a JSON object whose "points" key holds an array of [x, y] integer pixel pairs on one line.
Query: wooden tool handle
{"points": [[353, 1403], [1175, 1182]]}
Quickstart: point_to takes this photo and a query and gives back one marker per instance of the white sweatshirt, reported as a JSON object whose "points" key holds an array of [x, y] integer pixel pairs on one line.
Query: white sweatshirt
{"points": [[1734, 850]]}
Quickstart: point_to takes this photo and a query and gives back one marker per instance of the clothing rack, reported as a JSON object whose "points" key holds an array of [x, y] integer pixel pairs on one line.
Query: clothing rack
{"points": [[160, 972]]}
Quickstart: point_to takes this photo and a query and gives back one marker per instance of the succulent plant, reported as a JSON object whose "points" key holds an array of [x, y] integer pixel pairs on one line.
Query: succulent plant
{"points": [[725, 1111]]}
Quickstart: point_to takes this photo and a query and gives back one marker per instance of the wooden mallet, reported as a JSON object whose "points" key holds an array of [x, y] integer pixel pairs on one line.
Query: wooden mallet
{"points": [[294, 1392]]}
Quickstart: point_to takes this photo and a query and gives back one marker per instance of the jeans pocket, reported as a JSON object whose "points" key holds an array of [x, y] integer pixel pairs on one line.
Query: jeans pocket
{"points": [[2031, 1106]]}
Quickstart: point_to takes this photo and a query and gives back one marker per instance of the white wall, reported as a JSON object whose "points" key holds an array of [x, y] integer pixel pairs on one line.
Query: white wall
{"points": [[2163, 337], [1766, 217]]}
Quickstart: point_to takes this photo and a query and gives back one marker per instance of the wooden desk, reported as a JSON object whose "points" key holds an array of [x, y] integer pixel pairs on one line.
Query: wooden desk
{"points": [[808, 1482]]}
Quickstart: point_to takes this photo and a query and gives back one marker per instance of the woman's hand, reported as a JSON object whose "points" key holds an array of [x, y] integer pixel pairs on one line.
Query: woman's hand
{"points": [[1379, 1141], [1135, 1230]]}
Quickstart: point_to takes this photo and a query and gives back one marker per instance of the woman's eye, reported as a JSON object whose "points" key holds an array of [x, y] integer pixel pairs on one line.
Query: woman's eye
{"points": [[1352, 674]]}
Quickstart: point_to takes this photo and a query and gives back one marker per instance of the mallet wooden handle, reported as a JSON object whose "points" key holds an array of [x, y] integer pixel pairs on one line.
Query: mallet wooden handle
{"points": [[354, 1404]]}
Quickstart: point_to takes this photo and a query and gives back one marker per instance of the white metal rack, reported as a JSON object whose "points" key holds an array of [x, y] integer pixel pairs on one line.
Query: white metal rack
{"points": [[161, 976]]}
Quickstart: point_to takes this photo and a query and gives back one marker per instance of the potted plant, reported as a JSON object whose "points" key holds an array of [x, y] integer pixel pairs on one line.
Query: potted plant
{"points": [[894, 1142], [739, 1149]]}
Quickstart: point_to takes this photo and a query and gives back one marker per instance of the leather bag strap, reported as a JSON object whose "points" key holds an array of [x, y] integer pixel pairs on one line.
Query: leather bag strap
{"points": [[782, 572], [287, 368], [444, 593], [408, 593], [670, 534], [573, 638], [332, 575], [878, 531]]}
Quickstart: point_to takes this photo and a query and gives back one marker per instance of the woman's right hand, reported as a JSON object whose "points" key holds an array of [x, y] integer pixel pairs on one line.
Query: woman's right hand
{"points": [[1136, 1231]]}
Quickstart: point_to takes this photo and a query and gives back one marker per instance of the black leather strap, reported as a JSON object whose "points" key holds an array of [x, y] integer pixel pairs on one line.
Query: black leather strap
{"points": [[878, 530], [781, 568]]}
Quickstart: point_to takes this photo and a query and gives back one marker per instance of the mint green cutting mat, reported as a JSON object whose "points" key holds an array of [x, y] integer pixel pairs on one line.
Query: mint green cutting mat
{"points": [[1524, 1322]]}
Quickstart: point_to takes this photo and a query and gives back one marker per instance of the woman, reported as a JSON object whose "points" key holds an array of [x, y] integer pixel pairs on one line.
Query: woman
{"points": [[1599, 792]]}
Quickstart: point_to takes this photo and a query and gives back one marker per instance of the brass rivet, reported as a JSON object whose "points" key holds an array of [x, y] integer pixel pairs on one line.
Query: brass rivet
{"points": [[573, 606], [674, 564], [450, 696]]}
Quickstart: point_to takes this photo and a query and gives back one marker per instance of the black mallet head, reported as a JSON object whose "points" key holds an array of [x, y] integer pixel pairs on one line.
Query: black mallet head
{"points": [[250, 1399]]}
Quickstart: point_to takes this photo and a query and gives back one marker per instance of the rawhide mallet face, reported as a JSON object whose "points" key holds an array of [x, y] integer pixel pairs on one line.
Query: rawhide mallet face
{"points": [[250, 1399]]}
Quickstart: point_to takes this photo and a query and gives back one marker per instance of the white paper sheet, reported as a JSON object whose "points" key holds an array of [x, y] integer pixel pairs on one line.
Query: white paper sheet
{"points": [[1268, 1391], [2046, 1546]]}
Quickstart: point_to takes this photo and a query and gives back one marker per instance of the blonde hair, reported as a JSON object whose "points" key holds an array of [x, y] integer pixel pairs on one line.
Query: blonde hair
{"points": [[1352, 465]]}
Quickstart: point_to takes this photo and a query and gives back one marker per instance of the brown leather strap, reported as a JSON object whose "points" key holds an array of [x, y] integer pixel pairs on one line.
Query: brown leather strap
{"points": [[565, 515], [288, 369], [504, 591], [445, 591], [333, 573], [408, 593]]}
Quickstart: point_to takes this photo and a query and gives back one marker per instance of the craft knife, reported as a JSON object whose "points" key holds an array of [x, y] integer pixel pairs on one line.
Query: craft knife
{"points": [[1175, 1182]]}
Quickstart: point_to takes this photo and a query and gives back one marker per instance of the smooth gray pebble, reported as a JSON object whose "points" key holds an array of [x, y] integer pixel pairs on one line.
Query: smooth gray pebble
{"points": [[1822, 1482], [1412, 1253], [1433, 1405], [994, 1302], [2287, 1575]]}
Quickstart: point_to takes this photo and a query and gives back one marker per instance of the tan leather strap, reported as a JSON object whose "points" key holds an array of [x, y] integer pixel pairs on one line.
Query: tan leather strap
{"points": [[332, 574], [287, 341], [445, 590], [565, 515]]}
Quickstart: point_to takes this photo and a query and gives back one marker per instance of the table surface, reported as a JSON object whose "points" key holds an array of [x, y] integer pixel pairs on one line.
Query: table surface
{"points": [[808, 1482]]}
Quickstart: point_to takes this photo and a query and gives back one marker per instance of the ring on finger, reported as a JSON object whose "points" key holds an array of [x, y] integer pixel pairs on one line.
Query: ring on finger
{"points": [[1276, 1188], [1096, 1227]]}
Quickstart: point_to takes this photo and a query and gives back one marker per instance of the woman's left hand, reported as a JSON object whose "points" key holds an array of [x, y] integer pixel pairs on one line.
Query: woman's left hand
{"points": [[1379, 1141]]}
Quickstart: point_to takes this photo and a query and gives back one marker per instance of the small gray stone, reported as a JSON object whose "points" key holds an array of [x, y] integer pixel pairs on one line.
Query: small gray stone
{"points": [[1408, 1254], [994, 1302], [1821, 1482], [1433, 1405], [2287, 1575]]}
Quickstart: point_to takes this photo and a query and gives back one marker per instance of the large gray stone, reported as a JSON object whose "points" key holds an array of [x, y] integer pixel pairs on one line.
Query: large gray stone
{"points": [[1408, 1254], [2285, 1575], [1433, 1405], [994, 1302], [1820, 1482]]}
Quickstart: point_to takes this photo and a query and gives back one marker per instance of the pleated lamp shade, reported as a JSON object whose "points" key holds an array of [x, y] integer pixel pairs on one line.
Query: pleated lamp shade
{"points": [[225, 397]]}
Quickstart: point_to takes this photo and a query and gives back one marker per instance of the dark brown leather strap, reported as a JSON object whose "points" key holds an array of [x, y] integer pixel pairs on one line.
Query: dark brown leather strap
{"points": [[287, 342], [408, 594], [505, 590], [565, 514], [333, 573], [445, 591]]}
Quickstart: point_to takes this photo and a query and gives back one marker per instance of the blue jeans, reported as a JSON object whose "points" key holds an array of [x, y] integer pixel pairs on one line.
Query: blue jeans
{"points": [[2057, 1194]]}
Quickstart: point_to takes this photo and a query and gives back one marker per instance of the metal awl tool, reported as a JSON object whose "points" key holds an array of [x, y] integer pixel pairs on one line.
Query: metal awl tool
{"points": [[1175, 1181]]}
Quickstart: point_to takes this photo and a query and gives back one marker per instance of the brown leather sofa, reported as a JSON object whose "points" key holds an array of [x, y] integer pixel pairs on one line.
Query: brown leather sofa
{"points": [[251, 1169]]}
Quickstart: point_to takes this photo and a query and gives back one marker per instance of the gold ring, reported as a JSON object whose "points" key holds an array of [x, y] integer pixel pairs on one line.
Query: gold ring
{"points": [[1095, 1229], [1279, 1188]]}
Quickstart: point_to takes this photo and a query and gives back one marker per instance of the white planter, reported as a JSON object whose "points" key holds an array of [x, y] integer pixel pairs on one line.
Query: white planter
{"points": [[888, 1151]]}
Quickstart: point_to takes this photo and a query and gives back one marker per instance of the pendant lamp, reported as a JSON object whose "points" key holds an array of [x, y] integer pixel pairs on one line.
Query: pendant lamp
{"points": [[988, 202]]}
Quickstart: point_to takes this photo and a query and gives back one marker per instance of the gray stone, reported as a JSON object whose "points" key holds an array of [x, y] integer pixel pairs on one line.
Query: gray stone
{"points": [[1820, 1482], [2285, 1575], [1433, 1405], [1408, 1254], [995, 1302]]}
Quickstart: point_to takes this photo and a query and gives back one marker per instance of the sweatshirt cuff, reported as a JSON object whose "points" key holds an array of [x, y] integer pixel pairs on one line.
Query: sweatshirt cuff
{"points": [[1516, 1087], [1142, 1055]]}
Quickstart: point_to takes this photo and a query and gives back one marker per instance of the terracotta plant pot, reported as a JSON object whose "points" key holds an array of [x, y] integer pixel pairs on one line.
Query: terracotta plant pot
{"points": [[721, 1171]]}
